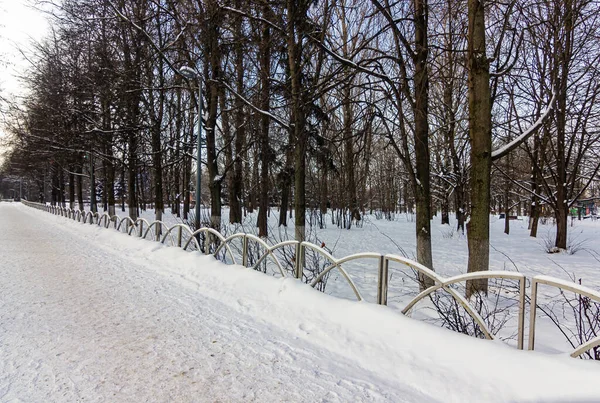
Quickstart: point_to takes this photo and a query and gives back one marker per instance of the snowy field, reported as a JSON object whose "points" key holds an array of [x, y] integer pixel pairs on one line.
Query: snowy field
{"points": [[515, 252], [90, 314]]}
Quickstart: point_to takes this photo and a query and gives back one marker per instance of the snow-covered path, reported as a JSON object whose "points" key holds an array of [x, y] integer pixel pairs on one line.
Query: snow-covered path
{"points": [[83, 324], [87, 314]]}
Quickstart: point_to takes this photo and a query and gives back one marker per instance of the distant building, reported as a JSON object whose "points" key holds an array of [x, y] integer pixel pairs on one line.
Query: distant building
{"points": [[585, 207]]}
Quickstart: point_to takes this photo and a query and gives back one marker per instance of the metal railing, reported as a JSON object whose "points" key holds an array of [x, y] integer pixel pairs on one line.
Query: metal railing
{"points": [[562, 285], [161, 232]]}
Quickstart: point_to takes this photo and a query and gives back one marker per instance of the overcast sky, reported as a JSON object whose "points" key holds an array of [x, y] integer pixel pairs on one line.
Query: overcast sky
{"points": [[20, 24]]}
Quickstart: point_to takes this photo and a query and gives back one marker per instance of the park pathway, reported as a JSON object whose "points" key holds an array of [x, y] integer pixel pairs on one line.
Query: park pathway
{"points": [[78, 323]]}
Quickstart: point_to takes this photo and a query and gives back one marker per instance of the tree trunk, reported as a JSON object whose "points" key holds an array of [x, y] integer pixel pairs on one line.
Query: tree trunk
{"points": [[296, 15], [71, 189], [158, 170], [93, 198], [110, 186], [445, 209], [562, 217], [187, 165], [460, 208], [265, 73], [123, 186], [212, 70], [177, 166], [157, 105], [422, 189], [348, 115], [506, 210], [235, 199], [562, 74], [141, 189], [54, 185], [131, 179], [480, 136], [80, 186], [61, 194], [285, 179], [534, 212], [104, 185], [228, 151], [534, 218]]}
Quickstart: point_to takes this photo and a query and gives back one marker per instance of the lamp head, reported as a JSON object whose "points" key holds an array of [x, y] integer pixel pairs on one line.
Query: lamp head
{"points": [[188, 72]]}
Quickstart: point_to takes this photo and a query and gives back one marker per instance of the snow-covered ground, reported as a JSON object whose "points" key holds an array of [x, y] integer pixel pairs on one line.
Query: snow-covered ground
{"points": [[90, 314], [515, 252]]}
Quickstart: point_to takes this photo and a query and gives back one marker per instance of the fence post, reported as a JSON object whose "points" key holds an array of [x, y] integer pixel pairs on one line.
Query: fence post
{"points": [[299, 269], [386, 277], [179, 237], [521, 324], [207, 243], [380, 280], [532, 309], [141, 227], [382, 284], [245, 251]]}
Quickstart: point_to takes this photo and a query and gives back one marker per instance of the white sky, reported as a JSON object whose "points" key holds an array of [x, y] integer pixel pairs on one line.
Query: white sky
{"points": [[20, 24]]}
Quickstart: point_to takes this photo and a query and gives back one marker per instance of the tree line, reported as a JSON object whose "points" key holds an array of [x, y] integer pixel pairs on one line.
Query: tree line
{"points": [[315, 105]]}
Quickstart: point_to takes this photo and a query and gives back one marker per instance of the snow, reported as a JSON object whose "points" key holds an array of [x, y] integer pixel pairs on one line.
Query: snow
{"points": [[505, 149], [517, 252], [89, 314]]}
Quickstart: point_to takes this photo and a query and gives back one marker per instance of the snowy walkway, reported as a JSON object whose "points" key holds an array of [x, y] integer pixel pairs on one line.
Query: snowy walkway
{"points": [[87, 314]]}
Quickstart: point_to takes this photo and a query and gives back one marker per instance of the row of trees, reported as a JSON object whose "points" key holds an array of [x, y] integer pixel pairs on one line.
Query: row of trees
{"points": [[322, 104]]}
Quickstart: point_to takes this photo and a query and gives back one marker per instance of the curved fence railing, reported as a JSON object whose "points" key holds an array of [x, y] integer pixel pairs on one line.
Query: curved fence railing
{"points": [[209, 241], [562, 285]]}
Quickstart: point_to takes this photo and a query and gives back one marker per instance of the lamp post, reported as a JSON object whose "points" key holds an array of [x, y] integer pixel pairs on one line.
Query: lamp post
{"points": [[191, 74]]}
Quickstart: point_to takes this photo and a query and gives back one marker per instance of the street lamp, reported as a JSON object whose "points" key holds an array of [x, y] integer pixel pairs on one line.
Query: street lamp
{"points": [[191, 74]]}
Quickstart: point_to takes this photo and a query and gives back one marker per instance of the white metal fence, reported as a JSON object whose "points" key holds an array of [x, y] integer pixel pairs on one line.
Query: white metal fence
{"points": [[209, 241]]}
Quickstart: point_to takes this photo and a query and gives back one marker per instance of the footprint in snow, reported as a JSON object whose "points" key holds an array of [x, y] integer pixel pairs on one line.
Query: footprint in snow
{"points": [[305, 328]]}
